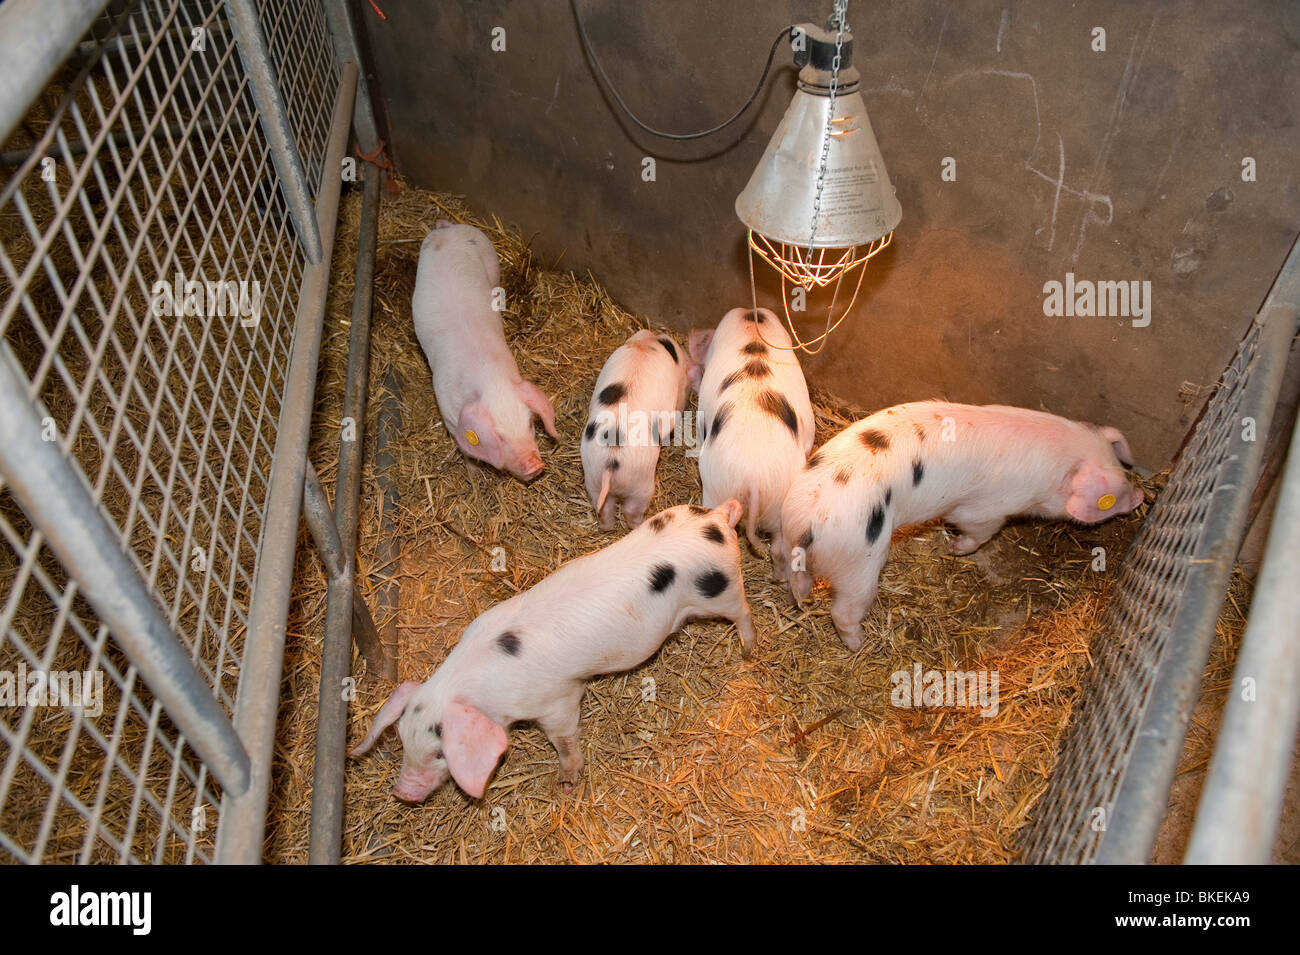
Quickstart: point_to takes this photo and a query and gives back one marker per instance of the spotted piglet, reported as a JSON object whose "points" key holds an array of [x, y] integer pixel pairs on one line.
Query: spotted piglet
{"points": [[486, 406], [527, 658], [972, 466], [635, 407], [756, 422]]}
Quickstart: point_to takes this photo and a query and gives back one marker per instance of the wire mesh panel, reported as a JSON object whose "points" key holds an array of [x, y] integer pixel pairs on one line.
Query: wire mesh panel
{"points": [[149, 275], [1135, 638]]}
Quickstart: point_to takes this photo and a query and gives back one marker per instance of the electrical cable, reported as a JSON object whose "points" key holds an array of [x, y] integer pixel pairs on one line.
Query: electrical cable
{"points": [[600, 71]]}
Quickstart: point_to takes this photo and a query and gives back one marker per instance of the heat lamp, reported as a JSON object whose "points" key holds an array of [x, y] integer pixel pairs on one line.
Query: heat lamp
{"points": [[819, 204]]}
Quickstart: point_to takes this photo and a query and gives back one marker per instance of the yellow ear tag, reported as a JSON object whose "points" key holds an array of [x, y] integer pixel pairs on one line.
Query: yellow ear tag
{"points": [[1106, 502], [472, 438]]}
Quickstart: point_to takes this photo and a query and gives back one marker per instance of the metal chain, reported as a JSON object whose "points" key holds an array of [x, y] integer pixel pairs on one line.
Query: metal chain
{"points": [[841, 15]]}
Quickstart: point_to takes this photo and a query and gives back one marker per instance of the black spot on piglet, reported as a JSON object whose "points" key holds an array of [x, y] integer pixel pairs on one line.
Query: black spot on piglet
{"points": [[711, 583], [661, 577], [714, 533], [777, 405], [660, 521], [669, 346], [613, 464], [509, 643], [816, 460], [591, 430], [696, 509], [875, 524], [719, 420], [752, 370], [612, 394], [875, 440], [754, 348], [843, 474], [918, 472]]}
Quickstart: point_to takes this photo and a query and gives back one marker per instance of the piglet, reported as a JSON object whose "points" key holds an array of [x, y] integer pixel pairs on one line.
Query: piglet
{"points": [[527, 658], [756, 422], [486, 406], [972, 466], [637, 402]]}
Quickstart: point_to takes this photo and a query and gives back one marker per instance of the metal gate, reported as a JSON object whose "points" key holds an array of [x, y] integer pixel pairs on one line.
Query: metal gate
{"points": [[1109, 789], [171, 183]]}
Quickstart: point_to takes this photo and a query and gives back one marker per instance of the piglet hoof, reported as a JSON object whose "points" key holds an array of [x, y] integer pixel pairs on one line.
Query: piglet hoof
{"points": [[852, 639], [963, 545], [748, 636]]}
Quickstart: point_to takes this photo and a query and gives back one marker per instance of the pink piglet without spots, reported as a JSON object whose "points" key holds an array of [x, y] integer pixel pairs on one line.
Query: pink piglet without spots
{"points": [[486, 406]]}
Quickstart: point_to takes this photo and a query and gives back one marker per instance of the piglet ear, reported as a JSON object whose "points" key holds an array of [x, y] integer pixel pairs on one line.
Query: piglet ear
{"points": [[730, 511], [443, 224], [701, 339], [539, 405], [387, 715], [1119, 444], [476, 434], [695, 374], [472, 745]]}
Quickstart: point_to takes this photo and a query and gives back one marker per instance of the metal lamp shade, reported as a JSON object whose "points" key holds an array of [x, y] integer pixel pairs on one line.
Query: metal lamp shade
{"points": [[858, 205]]}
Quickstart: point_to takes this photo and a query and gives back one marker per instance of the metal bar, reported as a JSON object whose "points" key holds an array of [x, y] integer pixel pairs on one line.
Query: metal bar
{"points": [[348, 484], [79, 147], [320, 521], [336, 650], [344, 34], [57, 501], [274, 119], [1241, 802], [38, 36], [1143, 794], [389, 550], [243, 818]]}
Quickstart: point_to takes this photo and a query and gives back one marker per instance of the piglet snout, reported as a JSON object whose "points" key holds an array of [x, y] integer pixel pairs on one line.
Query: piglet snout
{"points": [[410, 788], [530, 467], [411, 796]]}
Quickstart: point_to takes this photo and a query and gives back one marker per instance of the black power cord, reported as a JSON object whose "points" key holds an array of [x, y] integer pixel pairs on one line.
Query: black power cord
{"points": [[600, 71]]}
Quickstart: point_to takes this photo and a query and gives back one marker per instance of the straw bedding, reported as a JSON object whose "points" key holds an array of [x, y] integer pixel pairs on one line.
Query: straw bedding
{"points": [[795, 756]]}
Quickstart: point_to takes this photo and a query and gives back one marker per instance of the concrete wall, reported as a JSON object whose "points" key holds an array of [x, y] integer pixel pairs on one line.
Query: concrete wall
{"points": [[1116, 165]]}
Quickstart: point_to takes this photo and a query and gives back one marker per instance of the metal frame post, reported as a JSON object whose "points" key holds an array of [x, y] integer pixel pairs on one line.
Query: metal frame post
{"points": [[345, 48], [274, 119], [39, 35], [1140, 801], [336, 649], [243, 818], [1241, 803]]}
